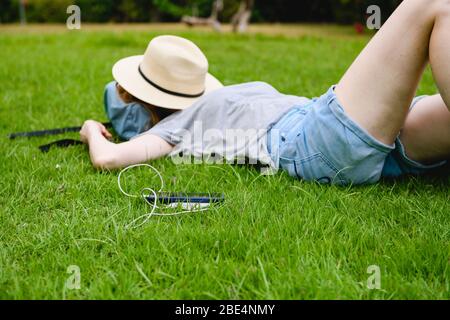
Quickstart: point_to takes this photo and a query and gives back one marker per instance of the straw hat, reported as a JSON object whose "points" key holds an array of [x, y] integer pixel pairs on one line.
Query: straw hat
{"points": [[173, 73]]}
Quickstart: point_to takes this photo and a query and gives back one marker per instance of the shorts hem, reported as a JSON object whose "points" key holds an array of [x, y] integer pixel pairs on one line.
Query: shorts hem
{"points": [[415, 164], [336, 107]]}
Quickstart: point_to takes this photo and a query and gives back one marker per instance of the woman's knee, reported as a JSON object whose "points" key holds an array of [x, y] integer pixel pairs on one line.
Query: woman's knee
{"points": [[426, 133], [440, 8], [430, 3], [443, 9], [437, 8], [423, 12]]}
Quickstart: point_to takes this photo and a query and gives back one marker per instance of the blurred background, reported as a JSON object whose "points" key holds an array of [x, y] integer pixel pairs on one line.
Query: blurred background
{"points": [[224, 11]]}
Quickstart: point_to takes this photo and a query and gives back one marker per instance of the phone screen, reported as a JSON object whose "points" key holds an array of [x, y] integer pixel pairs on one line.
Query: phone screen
{"points": [[181, 197]]}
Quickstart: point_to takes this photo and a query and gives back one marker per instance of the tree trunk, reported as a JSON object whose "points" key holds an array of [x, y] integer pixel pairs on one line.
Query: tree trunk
{"points": [[241, 19], [213, 19], [22, 12]]}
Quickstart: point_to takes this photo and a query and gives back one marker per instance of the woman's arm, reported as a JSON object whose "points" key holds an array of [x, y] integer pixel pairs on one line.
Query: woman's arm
{"points": [[107, 155]]}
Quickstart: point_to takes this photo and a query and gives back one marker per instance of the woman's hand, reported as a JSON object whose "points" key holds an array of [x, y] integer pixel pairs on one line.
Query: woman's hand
{"points": [[107, 155], [90, 128]]}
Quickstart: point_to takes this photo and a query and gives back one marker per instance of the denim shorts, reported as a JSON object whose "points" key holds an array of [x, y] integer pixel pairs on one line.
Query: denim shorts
{"points": [[319, 142]]}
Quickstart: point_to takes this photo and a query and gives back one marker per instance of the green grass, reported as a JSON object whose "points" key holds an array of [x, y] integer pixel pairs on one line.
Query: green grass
{"points": [[275, 237]]}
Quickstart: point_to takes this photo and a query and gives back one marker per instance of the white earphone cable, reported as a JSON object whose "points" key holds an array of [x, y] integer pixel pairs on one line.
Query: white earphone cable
{"points": [[145, 217], [136, 166]]}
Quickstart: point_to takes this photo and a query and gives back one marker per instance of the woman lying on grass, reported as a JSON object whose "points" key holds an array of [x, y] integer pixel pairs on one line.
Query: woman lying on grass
{"points": [[366, 127]]}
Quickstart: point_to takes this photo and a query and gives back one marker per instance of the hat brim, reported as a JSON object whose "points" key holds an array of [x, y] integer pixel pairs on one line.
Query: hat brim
{"points": [[126, 73]]}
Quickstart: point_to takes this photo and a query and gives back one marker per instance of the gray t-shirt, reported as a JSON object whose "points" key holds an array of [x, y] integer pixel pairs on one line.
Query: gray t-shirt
{"points": [[228, 124]]}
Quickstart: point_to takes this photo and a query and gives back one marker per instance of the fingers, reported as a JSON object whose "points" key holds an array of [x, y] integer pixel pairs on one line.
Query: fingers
{"points": [[91, 126], [105, 131], [106, 134]]}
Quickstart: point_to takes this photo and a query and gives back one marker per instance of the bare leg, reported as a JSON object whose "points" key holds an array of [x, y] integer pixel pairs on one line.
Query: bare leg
{"points": [[440, 53], [378, 88], [426, 135]]}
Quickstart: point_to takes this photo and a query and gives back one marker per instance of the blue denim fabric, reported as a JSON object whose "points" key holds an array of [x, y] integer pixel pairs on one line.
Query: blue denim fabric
{"points": [[319, 142], [128, 120]]}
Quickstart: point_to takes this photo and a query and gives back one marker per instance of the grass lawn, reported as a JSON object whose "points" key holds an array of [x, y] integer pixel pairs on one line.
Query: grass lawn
{"points": [[275, 237]]}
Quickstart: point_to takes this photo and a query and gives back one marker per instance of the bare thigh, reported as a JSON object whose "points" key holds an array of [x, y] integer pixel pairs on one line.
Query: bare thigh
{"points": [[378, 88], [426, 134]]}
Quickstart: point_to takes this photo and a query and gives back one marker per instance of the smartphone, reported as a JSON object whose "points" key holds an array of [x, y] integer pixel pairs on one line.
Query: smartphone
{"points": [[182, 197]]}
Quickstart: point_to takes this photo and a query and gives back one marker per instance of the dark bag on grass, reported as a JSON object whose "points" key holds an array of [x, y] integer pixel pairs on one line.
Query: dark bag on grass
{"points": [[127, 119]]}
